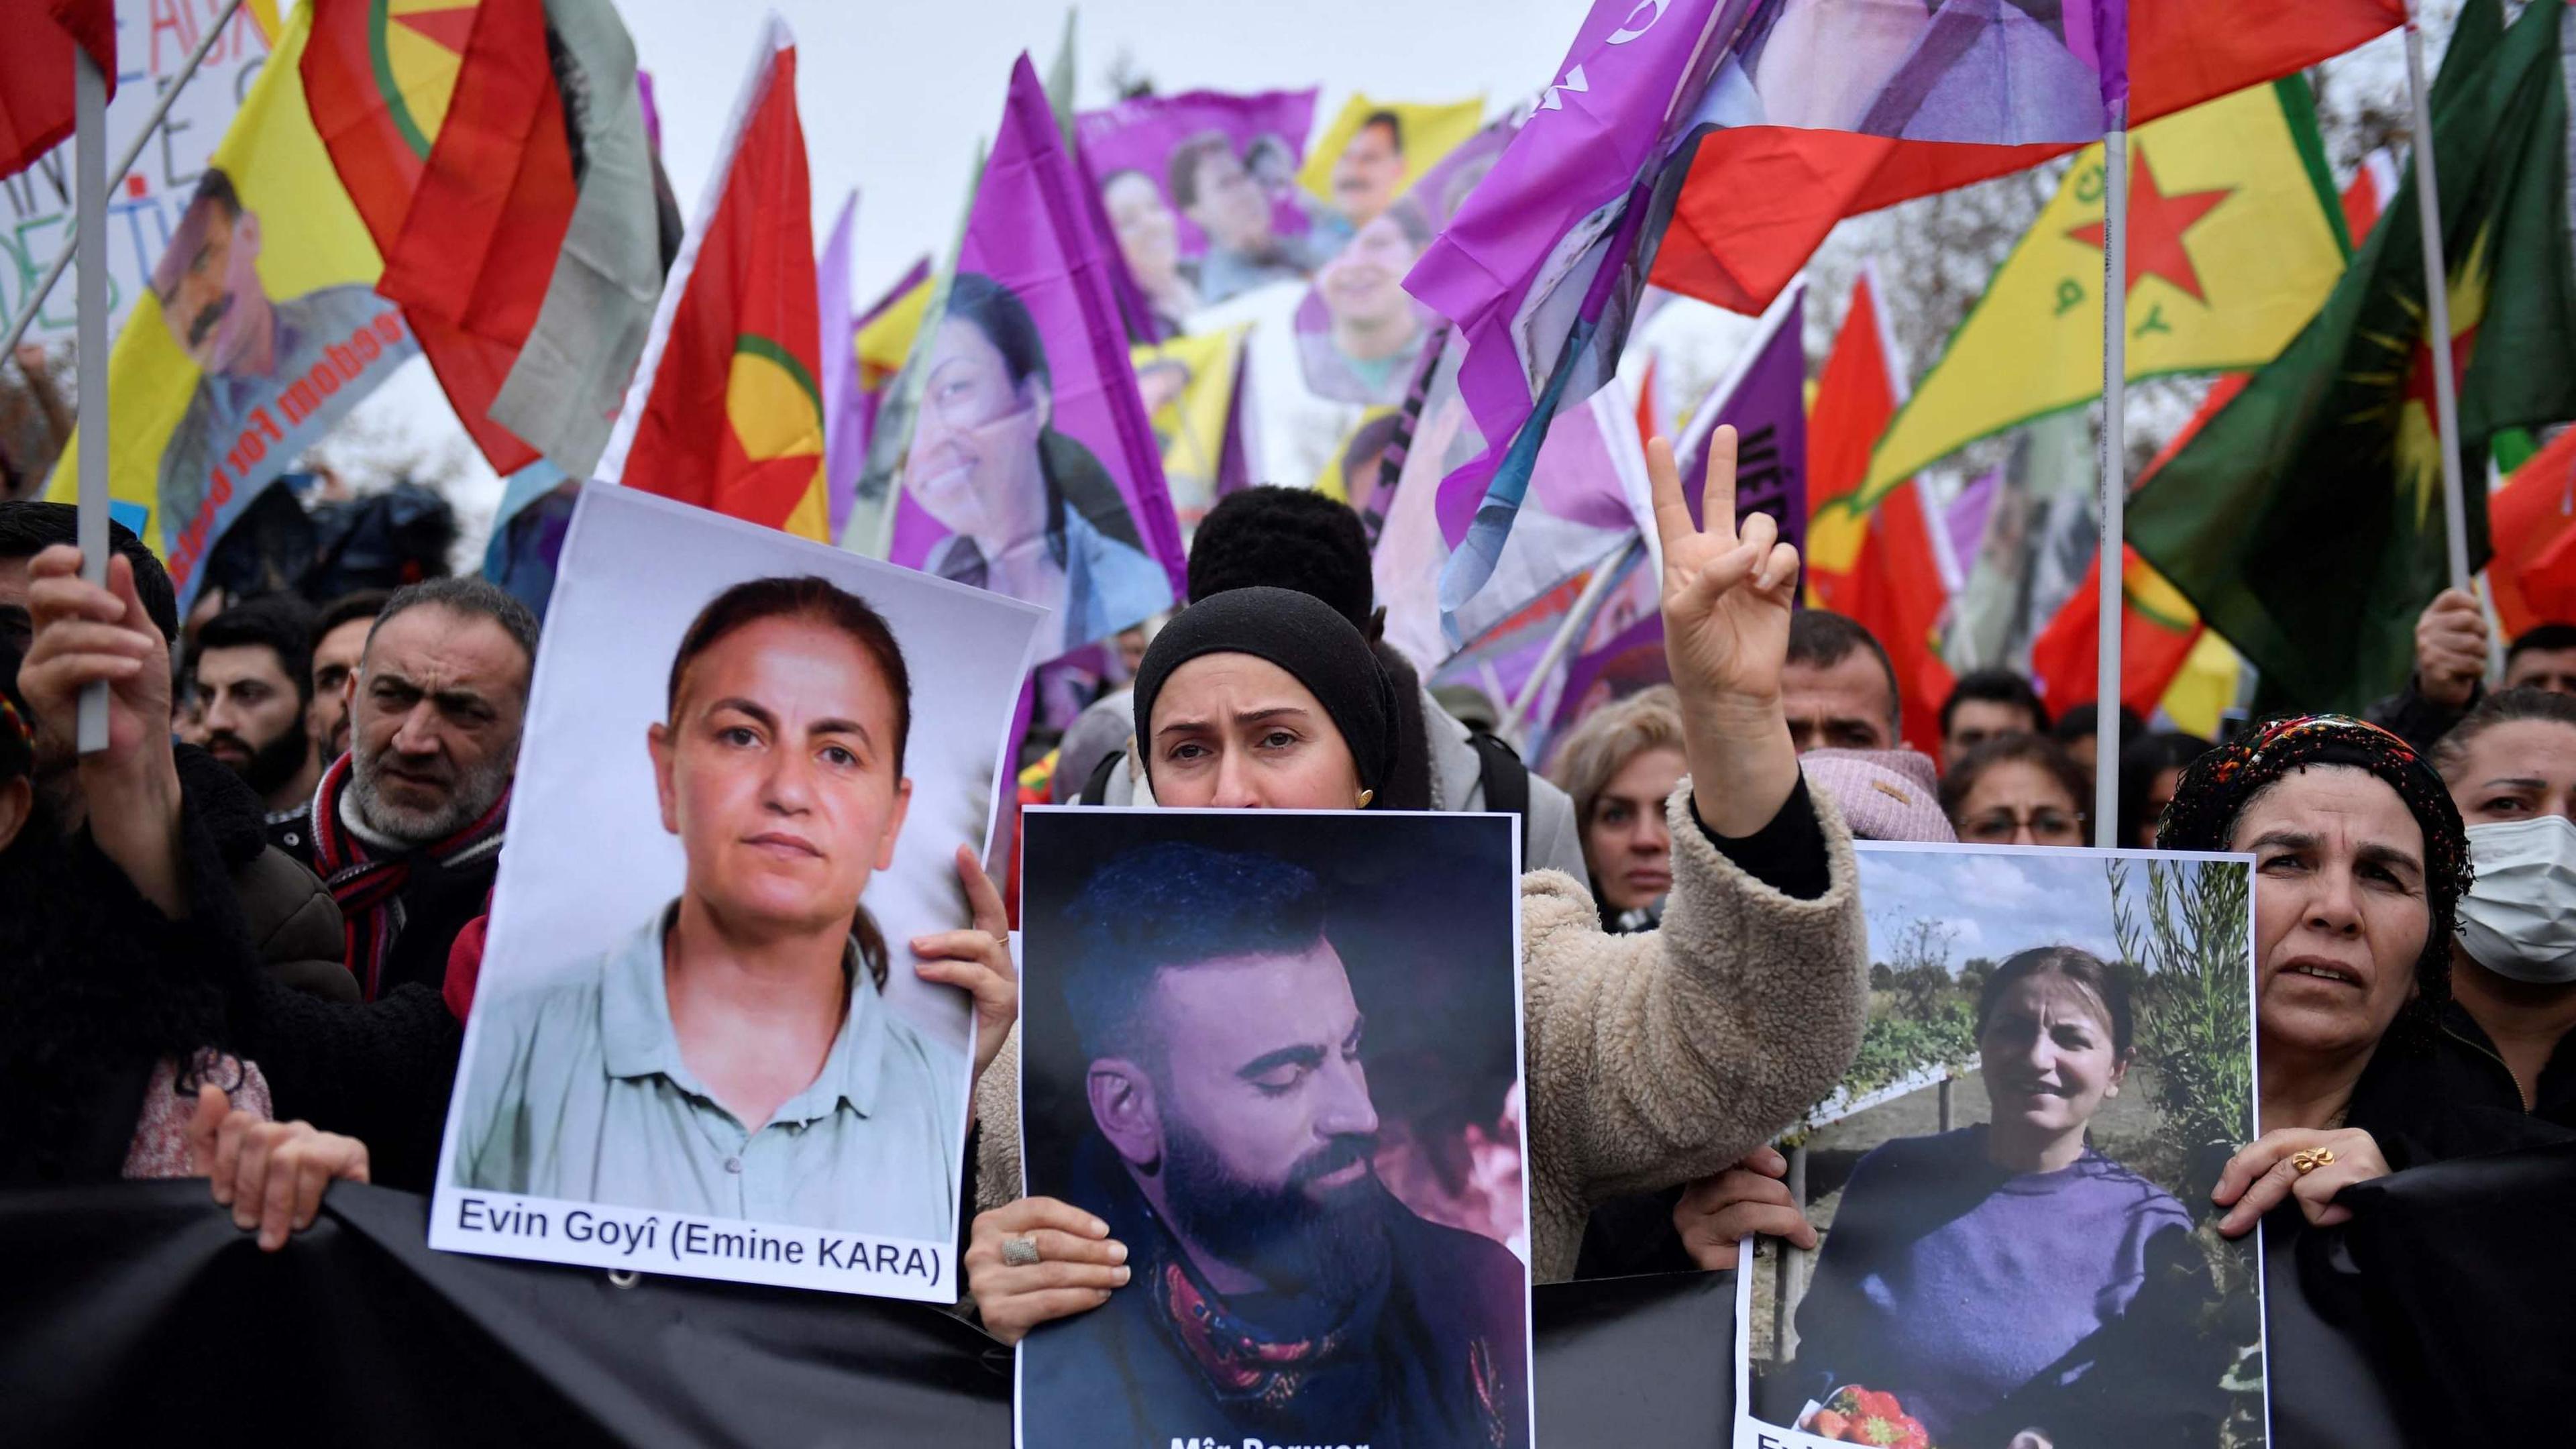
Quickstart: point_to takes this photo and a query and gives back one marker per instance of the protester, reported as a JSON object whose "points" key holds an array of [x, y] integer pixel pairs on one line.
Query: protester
{"points": [[2017, 790], [291, 919], [786, 1089], [2107, 1279], [1838, 687], [2150, 770], [1620, 765], [252, 671], [407, 825], [1984, 704], [2361, 868], [1744, 1006], [339, 638], [2451, 643], [2500, 1044], [2075, 731], [134, 1015], [1296, 538]]}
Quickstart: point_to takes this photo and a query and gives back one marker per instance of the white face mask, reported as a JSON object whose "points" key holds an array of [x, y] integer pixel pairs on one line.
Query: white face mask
{"points": [[2519, 920]]}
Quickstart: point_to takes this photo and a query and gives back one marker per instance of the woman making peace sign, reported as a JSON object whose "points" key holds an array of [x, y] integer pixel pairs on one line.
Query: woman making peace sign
{"points": [[1652, 1058]]}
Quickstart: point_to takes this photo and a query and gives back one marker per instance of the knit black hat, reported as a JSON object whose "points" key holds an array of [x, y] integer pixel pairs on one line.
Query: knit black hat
{"points": [[1301, 634]]}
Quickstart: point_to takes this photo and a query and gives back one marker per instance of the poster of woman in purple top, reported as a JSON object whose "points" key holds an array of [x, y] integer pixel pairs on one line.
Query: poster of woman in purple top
{"points": [[2059, 1054]]}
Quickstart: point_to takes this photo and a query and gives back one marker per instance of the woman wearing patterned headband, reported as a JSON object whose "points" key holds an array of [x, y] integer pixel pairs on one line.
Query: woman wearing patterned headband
{"points": [[2360, 864], [2360, 867]]}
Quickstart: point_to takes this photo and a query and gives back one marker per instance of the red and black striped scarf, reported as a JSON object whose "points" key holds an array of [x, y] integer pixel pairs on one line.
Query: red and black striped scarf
{"points": [[368, 883]]}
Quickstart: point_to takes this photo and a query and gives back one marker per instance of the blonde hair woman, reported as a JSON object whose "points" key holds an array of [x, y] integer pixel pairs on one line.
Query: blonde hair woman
{"points": [[1620, 764]]}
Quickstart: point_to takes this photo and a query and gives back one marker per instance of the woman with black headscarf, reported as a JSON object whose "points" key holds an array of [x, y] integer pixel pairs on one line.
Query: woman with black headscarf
{"points": [[2401, 1308]]}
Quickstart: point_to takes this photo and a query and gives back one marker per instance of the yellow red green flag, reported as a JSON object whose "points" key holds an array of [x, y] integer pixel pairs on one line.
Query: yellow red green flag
{"points": [[262, 327], [2235, 239]]}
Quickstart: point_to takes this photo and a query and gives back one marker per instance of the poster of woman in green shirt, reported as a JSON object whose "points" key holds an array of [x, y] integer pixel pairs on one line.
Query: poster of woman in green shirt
{"points": [[734, 1067]]}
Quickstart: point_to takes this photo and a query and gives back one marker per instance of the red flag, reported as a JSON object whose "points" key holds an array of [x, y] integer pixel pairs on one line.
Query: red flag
{"points": [[727, 409], [36, 71], [469, 208], [478, 246], [2532, 519], [1758, 199], [1880, 568]]}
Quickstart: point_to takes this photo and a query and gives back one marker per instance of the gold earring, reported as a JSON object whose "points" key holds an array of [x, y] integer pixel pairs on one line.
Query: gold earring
{"points": [[1365, 797]]}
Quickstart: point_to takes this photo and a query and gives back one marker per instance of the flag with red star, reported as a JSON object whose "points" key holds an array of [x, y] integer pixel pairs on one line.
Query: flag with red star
{"points": [[2305, 520], [2233, 245], [2161, 635]]}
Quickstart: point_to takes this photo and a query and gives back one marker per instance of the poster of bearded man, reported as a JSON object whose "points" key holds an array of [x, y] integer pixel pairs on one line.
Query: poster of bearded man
{"points": [[1279, 1055]]}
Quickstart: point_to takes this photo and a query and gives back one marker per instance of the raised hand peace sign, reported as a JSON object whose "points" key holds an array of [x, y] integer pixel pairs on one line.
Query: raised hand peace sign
{"points": [[1727, 596]]}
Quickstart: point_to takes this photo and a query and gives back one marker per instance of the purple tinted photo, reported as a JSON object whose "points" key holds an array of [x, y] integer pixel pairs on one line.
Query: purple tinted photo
{"points": [[1032, 468], [1201, 190]]}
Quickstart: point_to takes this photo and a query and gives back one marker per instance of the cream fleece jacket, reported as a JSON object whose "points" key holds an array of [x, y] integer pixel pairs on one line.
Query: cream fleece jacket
{"points": [[1654, 1058]]}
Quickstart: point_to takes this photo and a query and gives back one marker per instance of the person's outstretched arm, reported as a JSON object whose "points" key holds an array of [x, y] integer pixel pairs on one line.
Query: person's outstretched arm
{"points": [[1660, 1058]]}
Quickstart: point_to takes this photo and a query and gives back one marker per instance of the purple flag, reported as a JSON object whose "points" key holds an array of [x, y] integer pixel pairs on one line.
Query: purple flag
{"points": [[1201, 192], [1964, 521], [1613, 667], [1542, 265], [1589, 501], [1765, 398], [1032, 469], [845, 441]]}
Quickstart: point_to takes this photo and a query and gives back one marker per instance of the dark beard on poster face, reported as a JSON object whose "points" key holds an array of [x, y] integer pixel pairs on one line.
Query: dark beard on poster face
{"points": [[272, 764], [1327, 1249]]}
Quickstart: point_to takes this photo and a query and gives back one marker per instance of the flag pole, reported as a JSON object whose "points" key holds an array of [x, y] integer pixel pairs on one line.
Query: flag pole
{"points": [[45, 284], [1577, 620], [2114, 475], [2437, 310], [89, 170]]}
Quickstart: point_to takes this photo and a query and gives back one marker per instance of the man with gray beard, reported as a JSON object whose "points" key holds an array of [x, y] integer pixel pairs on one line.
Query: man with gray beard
{"points": [[407, 825]]}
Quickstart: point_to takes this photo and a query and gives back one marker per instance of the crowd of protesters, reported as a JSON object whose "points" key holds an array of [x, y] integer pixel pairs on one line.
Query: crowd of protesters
{"points": [[240, 941]]}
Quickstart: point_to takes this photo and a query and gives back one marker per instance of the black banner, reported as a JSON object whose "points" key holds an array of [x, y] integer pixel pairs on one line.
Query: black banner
{"points": [[137, 1313]]}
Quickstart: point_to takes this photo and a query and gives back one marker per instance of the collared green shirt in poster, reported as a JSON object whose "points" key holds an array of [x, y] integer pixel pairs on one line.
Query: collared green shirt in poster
{"points": [[579, 1093]]}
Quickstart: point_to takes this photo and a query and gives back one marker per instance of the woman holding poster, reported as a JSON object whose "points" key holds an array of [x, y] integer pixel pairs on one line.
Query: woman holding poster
{"points": [[2000, 1280], [1031, 511], [736, 1057]]}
